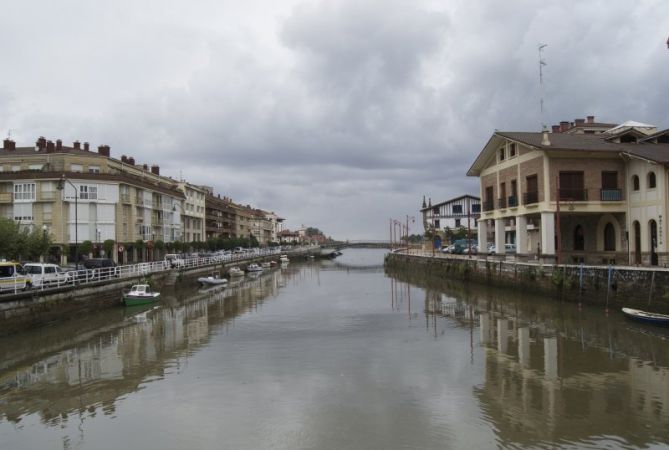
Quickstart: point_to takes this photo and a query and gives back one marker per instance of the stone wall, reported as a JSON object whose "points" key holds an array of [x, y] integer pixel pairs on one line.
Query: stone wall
{"points": [[641, 288]]}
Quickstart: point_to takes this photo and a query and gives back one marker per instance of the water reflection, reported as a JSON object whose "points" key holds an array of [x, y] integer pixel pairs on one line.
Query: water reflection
{"points": [[556, 374], [144, 346]]}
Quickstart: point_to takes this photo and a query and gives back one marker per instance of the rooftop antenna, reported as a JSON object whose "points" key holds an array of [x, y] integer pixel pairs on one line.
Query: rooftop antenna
{"points": [[9, 134], [542, 63]]}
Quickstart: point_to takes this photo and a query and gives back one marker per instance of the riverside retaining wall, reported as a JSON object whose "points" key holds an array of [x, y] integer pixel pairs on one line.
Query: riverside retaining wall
{"points": [[643, 288]]}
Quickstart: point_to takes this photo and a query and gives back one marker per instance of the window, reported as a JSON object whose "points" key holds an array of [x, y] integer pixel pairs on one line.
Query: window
{"points": [[609, 238], [579, 239], [23, 212], [572, 186], [476, 208], [88, 192], [501, 154], [24, 191], [635, 183], [93, 169], [457, 223], [512, 150], [16, 168], [436, 223], [457, 209], [652, 182], [35, 167], [609, 180], [47, 209], [76, 168]]}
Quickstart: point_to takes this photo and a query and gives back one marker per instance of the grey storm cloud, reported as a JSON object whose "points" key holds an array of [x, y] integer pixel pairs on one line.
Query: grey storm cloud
{"points": [[336, 114]]}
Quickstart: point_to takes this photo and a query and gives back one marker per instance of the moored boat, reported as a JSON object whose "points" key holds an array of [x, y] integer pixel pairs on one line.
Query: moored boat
{"points": [[647, 317], [235, 272], [284, 259], [265, 265], [213, 279], [253, 267], [273, 263], [140, 294]]}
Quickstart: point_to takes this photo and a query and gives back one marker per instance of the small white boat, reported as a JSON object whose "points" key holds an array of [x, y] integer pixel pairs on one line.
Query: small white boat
{"points": [[235, 272], [140, 294], [284, 259], [253, 267], [265, 265], [273, 263], [214, 279]]}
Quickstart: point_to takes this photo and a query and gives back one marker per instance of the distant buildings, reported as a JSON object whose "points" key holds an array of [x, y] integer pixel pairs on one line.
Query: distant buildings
{"points": [[462, 211], [76, 194], [586, 192]]}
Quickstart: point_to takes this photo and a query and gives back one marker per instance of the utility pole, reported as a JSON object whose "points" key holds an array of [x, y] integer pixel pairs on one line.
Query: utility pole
{"points": [[558, 247]]}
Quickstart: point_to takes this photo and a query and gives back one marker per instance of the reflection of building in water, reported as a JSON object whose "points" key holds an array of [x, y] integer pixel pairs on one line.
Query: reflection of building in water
{"points": [[101, 368], [540, 386]]}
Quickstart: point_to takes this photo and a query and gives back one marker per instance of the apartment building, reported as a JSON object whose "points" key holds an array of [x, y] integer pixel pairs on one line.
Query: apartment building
{"points": [[586, 192], [221, 217], [193, 215], [79, 195]]}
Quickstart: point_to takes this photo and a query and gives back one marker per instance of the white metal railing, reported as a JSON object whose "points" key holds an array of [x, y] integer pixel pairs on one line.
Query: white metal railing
{"points": [[86, 276]]}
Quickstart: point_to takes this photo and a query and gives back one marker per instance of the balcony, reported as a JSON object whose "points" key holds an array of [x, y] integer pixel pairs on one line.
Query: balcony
{"points": [[530, 197], [611, 195], [574, 195], [5, 197], [488, 205], [513, 201], [125, 198], [501, 203]]}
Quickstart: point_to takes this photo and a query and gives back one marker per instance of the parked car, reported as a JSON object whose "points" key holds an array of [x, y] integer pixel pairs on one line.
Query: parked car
{"points": [[101, 268], [461, 245], [175, 261], [12, 277], [474, 249], [42, 274], [448, 249], [508, 248]]}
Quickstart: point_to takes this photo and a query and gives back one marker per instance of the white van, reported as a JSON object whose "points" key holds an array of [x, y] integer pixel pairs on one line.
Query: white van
{"points": [[46, 274], [174, 261], [12, 277]]}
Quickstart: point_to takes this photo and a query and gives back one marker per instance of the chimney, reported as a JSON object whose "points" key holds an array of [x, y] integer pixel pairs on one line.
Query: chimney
{"points": [[556, 128], [131, 160], [87, 147], [544, 138], [155, 169], [564, 126], [8, 144], [145, 167], [59, 145], [124, 159], [50, 148], [103, 150], [591, 119], [579, 122], [76, 145], [41, 143]]}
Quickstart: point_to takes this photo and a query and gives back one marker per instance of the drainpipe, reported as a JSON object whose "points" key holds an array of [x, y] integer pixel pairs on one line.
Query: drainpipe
{"points": [[627, 201]]}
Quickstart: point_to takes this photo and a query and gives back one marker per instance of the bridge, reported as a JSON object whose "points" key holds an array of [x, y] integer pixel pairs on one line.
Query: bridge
{"points": [[328, 249]]}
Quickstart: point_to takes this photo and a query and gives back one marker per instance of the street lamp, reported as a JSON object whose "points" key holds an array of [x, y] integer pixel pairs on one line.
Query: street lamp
{"points": [[60, 186]]}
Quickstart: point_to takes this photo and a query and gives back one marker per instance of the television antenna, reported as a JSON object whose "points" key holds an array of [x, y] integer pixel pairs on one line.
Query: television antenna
{"points": [[542, 63]]}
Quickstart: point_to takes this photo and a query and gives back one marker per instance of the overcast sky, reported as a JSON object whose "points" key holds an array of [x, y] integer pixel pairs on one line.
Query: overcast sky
{"points": [[334, 114]]}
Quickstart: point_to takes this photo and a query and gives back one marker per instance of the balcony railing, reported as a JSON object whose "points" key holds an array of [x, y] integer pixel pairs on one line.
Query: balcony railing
{"points": [[611, 195], [501, 202], [125, 198], [530, 197], [575, 195], [488, 205], [5, 197], [513, 201]]}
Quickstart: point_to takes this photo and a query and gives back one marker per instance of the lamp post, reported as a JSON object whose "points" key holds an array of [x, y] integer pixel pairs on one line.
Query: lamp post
{"points": [[60, 186], [44, 230]]}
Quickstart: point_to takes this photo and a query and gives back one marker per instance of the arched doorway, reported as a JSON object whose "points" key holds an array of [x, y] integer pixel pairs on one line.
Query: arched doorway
{"points": [[652, 225], [579, 239], [637, 242], [609, 238]]}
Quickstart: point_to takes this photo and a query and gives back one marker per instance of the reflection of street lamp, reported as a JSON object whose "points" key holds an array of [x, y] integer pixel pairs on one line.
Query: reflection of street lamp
{"points": [[44, 229], [60, 186], [98, 239]]}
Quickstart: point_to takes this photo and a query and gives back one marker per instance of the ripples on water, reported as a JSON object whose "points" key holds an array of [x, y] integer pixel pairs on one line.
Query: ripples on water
{"points": [[337, 354]]}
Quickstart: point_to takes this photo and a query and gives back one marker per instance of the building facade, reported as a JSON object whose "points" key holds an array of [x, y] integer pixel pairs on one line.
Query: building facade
{"points": [[587, 192], [458, 212]]}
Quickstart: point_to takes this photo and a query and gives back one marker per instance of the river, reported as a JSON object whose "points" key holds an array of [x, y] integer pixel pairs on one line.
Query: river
{"points": [[338, 355]]}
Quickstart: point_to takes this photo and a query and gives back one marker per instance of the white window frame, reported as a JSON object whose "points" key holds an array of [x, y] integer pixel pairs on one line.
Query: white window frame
{"points": [[24, 192]]}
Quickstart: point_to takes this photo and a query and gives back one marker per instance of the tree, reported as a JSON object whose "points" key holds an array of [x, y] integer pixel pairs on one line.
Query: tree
{"points": [[85, 248], [108, 247]]}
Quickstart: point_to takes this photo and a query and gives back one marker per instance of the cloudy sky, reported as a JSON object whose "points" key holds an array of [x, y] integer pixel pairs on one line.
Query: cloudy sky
{"points": [[333, 113]]}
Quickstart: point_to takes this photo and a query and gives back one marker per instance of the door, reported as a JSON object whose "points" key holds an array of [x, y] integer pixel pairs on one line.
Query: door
{"points": [[637, 242], [571, 186]]}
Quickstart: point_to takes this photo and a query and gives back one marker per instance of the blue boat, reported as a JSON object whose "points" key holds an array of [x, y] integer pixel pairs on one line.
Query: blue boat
{"points": [[647, 317]]}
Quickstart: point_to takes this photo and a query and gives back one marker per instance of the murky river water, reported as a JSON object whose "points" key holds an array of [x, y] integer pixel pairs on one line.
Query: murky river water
{"points": [[337, 355]]}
